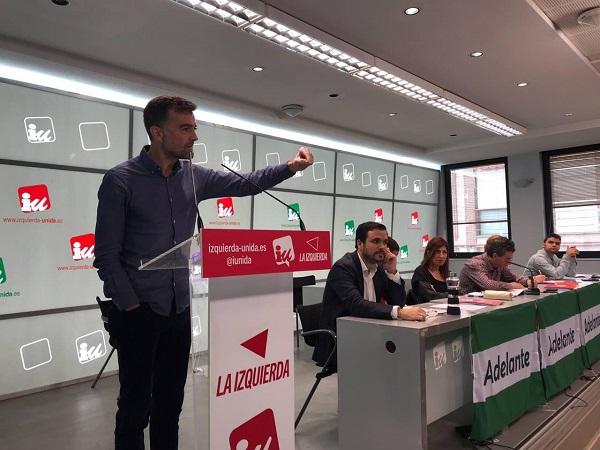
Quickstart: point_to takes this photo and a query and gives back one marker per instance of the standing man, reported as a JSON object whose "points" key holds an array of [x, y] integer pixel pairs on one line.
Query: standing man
{"points": [[490, 269], [146, 206], [364, 283], [546, 261]]}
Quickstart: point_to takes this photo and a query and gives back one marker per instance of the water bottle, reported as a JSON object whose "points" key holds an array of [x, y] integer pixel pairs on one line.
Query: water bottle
{"points": [[452, 284]]}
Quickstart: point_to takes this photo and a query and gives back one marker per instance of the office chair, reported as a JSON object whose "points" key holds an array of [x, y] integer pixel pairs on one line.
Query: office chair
{"points": [[105, 306], [299, 283], [411, 298], [309, 315]]}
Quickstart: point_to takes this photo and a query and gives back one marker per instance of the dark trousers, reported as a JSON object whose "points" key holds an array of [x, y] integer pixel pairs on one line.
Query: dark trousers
{"points": [[153, 355]]}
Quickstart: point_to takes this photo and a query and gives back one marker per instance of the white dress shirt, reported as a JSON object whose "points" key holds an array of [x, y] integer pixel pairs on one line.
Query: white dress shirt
{"points": [[369, 289]]}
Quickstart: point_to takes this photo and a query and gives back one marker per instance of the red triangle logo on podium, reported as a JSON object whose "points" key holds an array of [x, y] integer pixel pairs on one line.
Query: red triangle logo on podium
{"points": [[258, 343]]}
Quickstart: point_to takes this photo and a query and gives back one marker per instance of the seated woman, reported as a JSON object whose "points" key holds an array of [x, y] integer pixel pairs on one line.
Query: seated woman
{"points": [[429, 279]]}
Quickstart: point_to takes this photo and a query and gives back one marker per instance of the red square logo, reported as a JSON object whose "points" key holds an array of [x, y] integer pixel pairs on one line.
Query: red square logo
{"points": [[34, 198], [425, 240], [82, 246], [258, 433], [225, 207], [414, 218], [378, 215]]}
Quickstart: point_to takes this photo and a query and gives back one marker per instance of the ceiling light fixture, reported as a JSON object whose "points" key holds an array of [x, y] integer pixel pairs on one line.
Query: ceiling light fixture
{"points": [[334, 95], [341, 56], [568, 114], [522, 84], [475, 54], [392, 114], [60, 2], [411, 11], [590, 17], [258, 68]]}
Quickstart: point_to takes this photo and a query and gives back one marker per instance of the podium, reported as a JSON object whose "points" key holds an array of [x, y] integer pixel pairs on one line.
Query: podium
{"points": [[240, 287]]}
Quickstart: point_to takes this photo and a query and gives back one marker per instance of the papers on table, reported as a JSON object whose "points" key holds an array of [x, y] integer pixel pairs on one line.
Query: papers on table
{"points": [[475, 294], [463, 306]]}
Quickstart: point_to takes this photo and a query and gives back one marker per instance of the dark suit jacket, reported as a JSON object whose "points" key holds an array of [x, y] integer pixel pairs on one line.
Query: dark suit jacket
{"points": [[343, 296]]}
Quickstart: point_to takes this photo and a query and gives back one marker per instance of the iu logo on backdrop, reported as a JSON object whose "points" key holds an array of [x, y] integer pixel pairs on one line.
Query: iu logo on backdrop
{"points": [[425, 240], [82, 246], [404, 251], [2, 272], [414, 218], [349, 228], [39, 130], [90, 346], [225, 207], [283, 250], [378, 215], [34, 198], [258, 433], [293, 211]]}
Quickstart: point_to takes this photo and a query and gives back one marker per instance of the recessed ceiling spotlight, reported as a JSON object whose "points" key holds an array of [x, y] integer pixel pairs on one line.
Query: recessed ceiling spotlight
{"points": [[392, 114], [60, 2], [258, 68], [334, 95], [475, 54], [522, 84], [453, 135], [411, 11], [568, 114]]}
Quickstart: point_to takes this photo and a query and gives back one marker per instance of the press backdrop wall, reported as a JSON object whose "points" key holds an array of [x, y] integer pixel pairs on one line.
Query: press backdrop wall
{"points": [[55, 150]]}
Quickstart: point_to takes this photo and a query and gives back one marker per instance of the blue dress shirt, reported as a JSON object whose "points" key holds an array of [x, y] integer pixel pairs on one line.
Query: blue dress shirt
{"points": [[142, 213]]}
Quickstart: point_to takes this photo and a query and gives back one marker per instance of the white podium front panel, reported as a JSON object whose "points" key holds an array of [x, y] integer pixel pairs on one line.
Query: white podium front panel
{"points": [[251, 363]]}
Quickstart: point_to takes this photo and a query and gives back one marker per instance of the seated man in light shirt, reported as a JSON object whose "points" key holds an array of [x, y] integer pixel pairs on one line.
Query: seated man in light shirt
{"points": [[546, 261], [364, 283], [490, 269]]}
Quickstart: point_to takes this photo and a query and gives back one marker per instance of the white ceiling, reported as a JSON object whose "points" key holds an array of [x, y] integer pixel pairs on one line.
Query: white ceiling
{"points": [[163, 40]]}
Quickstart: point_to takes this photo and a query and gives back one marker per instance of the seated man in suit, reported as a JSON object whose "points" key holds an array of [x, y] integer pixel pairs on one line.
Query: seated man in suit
{"points": [[364, 283]]}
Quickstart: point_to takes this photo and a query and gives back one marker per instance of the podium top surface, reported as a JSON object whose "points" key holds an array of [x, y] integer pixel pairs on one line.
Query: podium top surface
{"points": [[222, 253]]}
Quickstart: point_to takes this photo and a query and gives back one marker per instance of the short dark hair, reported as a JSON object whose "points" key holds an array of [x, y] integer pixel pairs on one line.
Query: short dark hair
{"points": [[157, 110], [491, 239], [553, 235], [363, 230], [500, 246], [392, 245]]}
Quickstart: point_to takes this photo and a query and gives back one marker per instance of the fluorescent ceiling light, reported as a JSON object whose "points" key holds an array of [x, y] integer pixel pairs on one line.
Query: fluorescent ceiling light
{"points": [[476, 54], [258, 69], [522, 84], [411, 11], [301, 42]]}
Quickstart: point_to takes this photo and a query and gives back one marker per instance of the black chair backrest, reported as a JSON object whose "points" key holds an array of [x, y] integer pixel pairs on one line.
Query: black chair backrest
{"points": [[411, 298], [310, 316], [105, 306], [299, 282]]}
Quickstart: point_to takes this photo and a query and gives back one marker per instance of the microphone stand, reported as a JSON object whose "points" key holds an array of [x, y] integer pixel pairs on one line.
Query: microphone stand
{"points": [[199, 222], [300, 222], [532, 290]]}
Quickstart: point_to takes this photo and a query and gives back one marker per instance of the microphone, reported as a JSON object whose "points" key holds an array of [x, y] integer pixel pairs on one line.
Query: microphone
{"points": [[531, 290], [300, 222], [199, 222]]}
